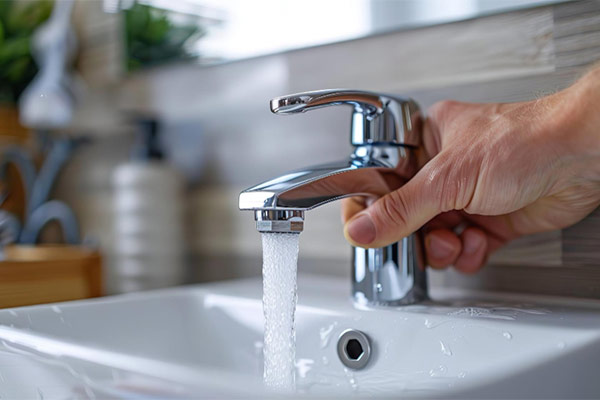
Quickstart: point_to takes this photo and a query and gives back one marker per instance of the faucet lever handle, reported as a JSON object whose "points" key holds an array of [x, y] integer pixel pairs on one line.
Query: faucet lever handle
{"points": [[300, 102], [376, 119]]}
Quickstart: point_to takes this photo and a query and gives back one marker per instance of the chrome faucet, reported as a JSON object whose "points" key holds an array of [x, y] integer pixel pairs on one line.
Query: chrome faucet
{"points": [[385, 133]]}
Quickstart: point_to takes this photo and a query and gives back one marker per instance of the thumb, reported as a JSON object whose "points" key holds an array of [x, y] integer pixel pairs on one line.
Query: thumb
{"points": [[399, 213]]}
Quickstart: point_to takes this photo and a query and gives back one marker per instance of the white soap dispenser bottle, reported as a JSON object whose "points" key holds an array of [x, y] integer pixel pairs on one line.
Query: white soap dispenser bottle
{"points": [[148, 240]]}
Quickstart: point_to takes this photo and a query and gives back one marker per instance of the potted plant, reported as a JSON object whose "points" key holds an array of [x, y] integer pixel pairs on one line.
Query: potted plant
{"points": [[18, 22], [151, 38]]}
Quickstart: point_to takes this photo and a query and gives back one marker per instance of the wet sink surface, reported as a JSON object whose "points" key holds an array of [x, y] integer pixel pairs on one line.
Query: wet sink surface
{"points": [[206, 341]]}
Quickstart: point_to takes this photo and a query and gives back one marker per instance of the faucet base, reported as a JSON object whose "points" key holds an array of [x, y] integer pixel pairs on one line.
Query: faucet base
{"points": [[392, 276]]}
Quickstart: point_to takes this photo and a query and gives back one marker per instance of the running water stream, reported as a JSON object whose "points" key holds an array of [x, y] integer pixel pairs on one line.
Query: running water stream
{"points": [[280, 265]]}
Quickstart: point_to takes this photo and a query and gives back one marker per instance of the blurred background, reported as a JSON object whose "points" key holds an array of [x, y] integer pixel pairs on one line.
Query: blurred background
{"points": [[128, 128]]}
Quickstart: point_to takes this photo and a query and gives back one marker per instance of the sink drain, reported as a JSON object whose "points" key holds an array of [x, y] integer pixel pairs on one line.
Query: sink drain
{"points": [[354, 349]]}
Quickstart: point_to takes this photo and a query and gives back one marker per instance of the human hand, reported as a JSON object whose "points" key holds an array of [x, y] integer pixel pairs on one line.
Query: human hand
{"points": [[491, 173]]}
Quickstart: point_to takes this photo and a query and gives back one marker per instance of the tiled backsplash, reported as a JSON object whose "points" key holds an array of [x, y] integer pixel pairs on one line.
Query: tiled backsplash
{"points": [[507, 57]]}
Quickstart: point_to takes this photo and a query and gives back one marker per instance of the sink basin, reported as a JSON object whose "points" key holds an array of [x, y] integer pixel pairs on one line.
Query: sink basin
{"points": [[205, 341]]}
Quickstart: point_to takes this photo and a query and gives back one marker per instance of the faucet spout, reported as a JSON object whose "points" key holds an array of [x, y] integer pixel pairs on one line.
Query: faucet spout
{"points": [[371, 171]]}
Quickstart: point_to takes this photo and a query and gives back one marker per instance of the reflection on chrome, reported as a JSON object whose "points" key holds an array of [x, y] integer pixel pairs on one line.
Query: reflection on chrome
{"points": [[379, 170]]}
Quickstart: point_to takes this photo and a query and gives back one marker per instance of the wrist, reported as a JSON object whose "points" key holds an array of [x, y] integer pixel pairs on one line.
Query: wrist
{"points": [[585, 96], [576, 120], [589, 101]]}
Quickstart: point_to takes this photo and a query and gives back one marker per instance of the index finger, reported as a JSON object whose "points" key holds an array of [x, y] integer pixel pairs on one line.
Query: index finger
{"points": [[352, 206]]}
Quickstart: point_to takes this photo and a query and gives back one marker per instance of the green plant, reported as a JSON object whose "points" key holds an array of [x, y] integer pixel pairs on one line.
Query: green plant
{"points": [[18, 21], [151, 38]]}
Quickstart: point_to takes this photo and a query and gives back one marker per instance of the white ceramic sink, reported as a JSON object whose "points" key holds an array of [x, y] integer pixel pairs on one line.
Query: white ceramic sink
{"points": [[205, 341]]}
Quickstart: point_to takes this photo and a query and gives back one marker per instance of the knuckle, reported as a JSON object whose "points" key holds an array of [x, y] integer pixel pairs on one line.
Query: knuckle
{"points": [[455, 181], [439, 183], [442, 108], [394, 209]]}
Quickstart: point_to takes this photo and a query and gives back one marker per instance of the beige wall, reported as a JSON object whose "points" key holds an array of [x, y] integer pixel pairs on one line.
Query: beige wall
{"points": [[507, 57]]}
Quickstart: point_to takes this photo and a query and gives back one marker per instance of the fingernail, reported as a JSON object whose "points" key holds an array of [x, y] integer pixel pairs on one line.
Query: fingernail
{"points": [[472, 244], [362, 230], [439, 248]]}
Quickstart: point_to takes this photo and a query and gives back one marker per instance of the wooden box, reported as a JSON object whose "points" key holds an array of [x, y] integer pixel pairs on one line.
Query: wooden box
{"points": [[45, 274]]}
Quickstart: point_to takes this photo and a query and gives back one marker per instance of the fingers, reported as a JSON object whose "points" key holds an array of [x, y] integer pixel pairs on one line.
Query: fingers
{"points": [[467, 253], [397, 214], [400, 213], [352, 206], [474, 251], [442, 247]]}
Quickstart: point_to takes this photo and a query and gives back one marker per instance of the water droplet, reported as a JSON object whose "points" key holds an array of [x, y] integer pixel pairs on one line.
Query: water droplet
{"points": [[561, 345], [325, 334], [56, 309], [40, 394], [507, 335], [303, 366], [88, 391], [351, 379], [353, 384], [433, 324], [379, 288], [445, 349], [480, 312], [440, 370], [462, 374], [325, 360]]}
